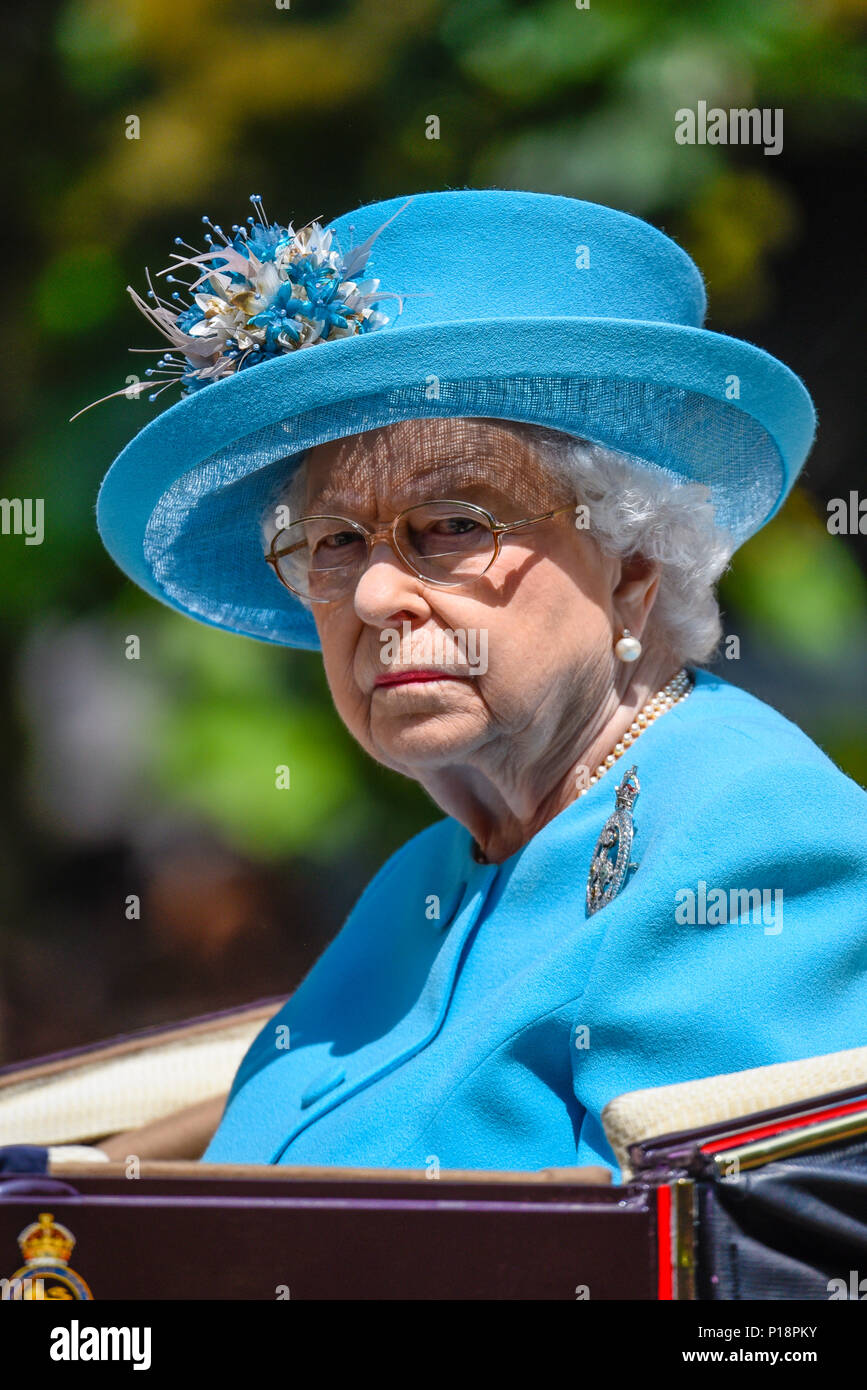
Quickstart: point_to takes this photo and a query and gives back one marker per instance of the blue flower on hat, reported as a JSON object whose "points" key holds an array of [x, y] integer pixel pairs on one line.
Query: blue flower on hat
{"points": [[263, 292]]}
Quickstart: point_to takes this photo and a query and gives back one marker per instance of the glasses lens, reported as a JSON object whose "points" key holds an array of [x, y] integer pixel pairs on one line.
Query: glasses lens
{"points": [[447, 542], [321, 557]]}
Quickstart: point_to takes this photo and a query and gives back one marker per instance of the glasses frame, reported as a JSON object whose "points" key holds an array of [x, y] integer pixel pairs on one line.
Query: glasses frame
{"points": [[389, 534]]}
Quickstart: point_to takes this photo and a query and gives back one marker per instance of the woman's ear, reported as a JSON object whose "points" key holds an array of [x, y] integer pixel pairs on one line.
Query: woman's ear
{"points": [[635, 593]]}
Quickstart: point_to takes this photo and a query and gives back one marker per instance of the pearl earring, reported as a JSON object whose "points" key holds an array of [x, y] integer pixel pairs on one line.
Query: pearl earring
{"points": [[628, 648]]}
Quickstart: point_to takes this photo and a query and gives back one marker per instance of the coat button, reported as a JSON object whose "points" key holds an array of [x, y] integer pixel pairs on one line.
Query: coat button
{"points": [[328, 1081]]}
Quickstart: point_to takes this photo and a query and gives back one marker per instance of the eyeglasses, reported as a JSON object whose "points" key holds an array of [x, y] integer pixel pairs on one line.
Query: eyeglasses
{"points": [[322, 558]]}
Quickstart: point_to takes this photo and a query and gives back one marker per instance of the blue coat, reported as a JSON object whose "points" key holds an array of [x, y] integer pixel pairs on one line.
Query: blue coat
{"points": [[473, 1016]]}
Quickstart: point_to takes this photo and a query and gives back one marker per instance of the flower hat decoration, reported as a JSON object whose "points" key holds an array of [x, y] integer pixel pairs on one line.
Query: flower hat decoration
{"points": [[265, 291]]}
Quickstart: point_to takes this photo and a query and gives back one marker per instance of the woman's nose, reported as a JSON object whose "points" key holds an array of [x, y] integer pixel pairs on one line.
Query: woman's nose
{"points": [[386, 586]]}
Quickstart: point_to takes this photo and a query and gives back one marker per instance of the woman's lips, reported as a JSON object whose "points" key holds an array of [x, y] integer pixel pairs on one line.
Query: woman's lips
{"points": [[407, 677]]}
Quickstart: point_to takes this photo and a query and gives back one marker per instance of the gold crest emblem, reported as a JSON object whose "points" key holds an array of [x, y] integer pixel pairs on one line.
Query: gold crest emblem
{"points": [[46, 1247]]}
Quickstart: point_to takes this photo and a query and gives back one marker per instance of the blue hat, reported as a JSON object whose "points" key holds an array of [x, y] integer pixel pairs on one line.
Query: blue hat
{"points": [[515, 306]]}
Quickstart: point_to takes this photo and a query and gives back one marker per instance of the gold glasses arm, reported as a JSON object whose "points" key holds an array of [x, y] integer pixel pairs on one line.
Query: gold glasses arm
{"points": [[501, 528]]}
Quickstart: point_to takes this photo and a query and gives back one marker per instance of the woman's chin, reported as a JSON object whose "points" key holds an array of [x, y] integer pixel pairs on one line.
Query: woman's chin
{"points": [[415, 740]]}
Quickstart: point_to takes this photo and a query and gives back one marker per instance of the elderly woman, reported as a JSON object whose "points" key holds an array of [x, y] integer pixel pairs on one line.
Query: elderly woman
{"points": [[500, 511]]}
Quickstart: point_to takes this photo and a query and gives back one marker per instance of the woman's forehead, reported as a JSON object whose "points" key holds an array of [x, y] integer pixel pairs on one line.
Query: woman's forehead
{"points": [[416, 459]]}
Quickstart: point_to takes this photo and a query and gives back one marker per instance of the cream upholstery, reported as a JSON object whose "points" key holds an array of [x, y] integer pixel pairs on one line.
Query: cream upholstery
{"points": [[641, 1115], [128, 1083]]}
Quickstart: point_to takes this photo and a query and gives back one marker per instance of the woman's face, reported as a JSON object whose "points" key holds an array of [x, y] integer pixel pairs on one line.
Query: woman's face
{"points": [[531, 655]]}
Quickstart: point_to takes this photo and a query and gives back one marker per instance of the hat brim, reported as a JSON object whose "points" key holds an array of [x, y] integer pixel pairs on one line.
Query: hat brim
{"points": [[182, 507]]}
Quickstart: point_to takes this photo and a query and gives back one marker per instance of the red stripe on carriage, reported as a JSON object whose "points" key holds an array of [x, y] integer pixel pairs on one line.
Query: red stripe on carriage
{"points": [[780, 1126], [663, 1242]]}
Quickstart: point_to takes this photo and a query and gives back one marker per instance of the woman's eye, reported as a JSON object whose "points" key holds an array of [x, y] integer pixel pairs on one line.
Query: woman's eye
{"points": [[338, 539], [453, 526]]}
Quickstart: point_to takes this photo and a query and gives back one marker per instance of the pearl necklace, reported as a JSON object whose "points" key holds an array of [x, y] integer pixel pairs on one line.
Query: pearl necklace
{"points": [[672, 694]]}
